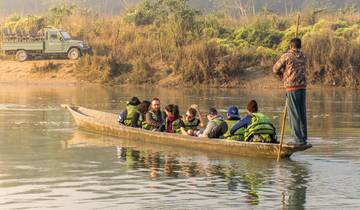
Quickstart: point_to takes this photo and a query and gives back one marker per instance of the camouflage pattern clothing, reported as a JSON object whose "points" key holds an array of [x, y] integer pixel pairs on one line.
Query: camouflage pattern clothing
{"points": [[292, 68]]}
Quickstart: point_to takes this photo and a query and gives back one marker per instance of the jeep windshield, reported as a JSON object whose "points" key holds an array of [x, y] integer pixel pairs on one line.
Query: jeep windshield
{"points": [[65, 35]]}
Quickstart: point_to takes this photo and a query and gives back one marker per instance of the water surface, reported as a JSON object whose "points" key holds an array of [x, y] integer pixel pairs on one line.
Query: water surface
{"points": [[46, 162]]}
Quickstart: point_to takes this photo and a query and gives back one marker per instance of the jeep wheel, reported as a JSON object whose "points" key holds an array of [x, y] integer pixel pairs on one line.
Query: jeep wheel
{"points": [[74, 54], [21, 55]]}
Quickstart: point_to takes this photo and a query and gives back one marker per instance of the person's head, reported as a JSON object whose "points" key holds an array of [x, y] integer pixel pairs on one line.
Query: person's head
{"points": [[144, 107], [190, 114], [134, 101], [155, 104], [252, 106], [212, 113], [233, 112], [172, 110], [295, 43], [169, 110]]}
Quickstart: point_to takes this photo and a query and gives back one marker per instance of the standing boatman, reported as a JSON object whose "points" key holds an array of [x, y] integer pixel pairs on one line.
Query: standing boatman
{"points": [[291, 68]]}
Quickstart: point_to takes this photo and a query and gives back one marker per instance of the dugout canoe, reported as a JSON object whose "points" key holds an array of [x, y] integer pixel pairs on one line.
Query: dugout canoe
{"points": [[106, 124]]}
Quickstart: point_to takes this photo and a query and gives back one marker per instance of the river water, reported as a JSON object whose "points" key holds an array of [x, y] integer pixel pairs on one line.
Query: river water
{"points": [[46, 162]]}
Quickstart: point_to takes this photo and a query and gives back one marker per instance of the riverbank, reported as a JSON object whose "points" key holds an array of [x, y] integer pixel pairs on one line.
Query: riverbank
{"points": [[38, 72], [63, 72], [173, 44]]}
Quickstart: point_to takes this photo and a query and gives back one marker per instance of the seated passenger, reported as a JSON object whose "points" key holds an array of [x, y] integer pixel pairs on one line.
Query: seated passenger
{"points": [[216, 126], [155, 118], [191, 123], [139, 117], [232, 119], [257, 126], [173, 121], [127, 115]]}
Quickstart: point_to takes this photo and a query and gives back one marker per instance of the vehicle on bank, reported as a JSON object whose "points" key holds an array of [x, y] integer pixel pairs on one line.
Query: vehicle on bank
{"points": [[48, 42]]}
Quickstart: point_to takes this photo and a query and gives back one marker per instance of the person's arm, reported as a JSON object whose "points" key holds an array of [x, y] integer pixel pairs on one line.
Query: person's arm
{"points": [[122, 117], [242, 123], [163, 116], [182, 128], [183, 131], [150, 121], [210, 126], [279, 66], [196, 107], [135, 120], [224, 128]]}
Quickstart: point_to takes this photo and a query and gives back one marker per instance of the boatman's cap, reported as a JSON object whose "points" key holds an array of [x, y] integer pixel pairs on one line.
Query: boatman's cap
{"points": [[233, 111]]}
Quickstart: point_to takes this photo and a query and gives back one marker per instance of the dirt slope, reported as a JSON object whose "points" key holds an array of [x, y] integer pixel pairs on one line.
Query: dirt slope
{"points": [[29, 72]]}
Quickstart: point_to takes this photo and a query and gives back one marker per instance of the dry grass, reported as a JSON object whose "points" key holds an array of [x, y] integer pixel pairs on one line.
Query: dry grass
{"points": [[45, 68], [214, 50], [333, 61]]}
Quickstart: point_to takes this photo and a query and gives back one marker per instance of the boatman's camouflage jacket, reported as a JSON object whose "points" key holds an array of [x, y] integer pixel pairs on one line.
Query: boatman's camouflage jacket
{"points": [[292, 68]]}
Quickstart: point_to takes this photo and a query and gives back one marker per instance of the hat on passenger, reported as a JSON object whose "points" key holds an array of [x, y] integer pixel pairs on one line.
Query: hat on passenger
{"points": [[233, 111]]}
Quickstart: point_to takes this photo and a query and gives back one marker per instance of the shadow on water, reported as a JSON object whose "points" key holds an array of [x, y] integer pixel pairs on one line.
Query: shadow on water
{"points": [[248, 177]]}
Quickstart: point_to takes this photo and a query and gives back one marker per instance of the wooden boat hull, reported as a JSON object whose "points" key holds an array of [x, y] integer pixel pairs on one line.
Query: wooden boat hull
{"points": [[106, 124]]}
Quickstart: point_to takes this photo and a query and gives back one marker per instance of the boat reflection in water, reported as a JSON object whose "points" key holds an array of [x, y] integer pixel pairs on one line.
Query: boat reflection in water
{"points": [[251, 179]]}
